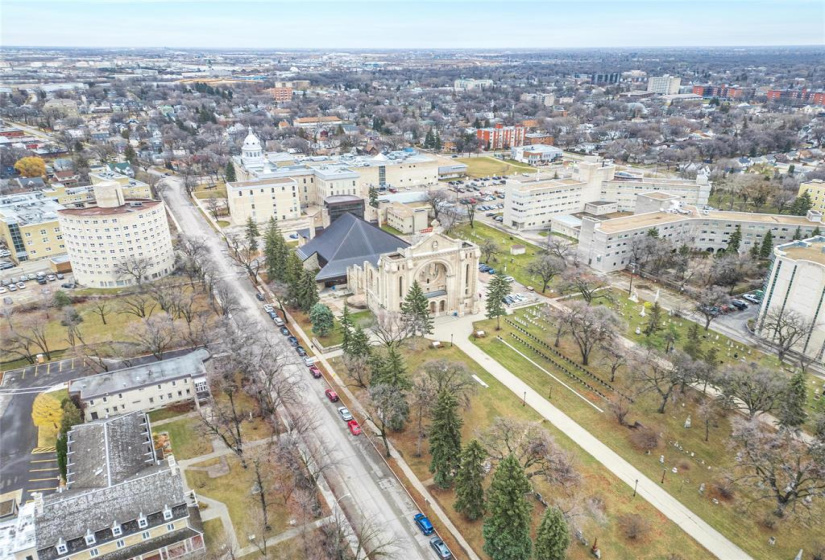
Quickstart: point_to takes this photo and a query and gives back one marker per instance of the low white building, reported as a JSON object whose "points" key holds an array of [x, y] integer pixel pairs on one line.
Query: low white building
{"points": [[536, 154], [796, 283], [665, 85], [144, 387]]}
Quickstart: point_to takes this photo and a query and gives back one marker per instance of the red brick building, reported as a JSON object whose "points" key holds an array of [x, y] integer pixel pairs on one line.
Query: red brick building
{"points": [[281, 94], [723, 92], [798, 95], [500, 137]]}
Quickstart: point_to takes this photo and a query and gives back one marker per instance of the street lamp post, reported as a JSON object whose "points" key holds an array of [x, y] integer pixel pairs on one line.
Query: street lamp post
{"points": [[663, 475], [524, 399], [451, 340], [635, 486]]}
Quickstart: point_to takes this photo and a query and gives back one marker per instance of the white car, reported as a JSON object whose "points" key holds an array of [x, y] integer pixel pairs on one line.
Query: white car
{"points": [[21, 285], [509, 279], [3, 290]]}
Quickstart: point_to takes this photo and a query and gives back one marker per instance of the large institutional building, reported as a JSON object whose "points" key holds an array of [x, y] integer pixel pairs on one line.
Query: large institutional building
{"points": [[533, 203], [29, 227], [100, 239], [121, 501], [605, 244], [379, 268], [816, 190], [797, 283], [281, 185]]}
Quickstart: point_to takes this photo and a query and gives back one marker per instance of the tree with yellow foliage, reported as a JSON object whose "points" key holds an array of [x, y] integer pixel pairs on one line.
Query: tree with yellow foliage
{"points": [[31, 166], [47, 411]]}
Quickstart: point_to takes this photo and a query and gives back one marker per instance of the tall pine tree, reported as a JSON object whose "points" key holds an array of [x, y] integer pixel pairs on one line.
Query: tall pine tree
{"points": [[275, 251], [391, 371], [307, 291], [792, 412], [497, 290], [735, 240], [553, 536], [767, 246], [445, 440], [346, 328], [292, 276], [507, 527], [469, 481], [230, 172], [415, 310], [252, 234], [359, 344]]}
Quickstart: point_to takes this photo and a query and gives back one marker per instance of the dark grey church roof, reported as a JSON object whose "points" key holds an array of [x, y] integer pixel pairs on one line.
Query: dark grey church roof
{"points": [[349, 241]]}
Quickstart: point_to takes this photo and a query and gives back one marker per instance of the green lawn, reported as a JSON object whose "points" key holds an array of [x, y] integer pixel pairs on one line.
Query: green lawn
{"points": [[170, 412], [214, 535], [708, 464], [203, 191], [392, 230], [498, 401], [187, 438], [512, 265], [486, 166], [334, 338]]}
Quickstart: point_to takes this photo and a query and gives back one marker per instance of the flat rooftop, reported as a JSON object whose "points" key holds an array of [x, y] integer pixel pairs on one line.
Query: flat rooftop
{"points": [[691, 213], [28, 209], [262, 182], [812, 250], [130, 206]]}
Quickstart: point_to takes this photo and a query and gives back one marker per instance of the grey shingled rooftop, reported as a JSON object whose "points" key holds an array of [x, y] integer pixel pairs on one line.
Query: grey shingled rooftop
{"points": [[113, 382], [105, 452], [349, 241]]}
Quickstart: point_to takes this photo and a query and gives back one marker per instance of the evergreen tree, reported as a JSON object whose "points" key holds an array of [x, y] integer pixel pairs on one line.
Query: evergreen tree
{"points": [[345, 328], [792, 412], [469, 488], [801, 205], [816, 232], [415, 310], [373, 194], [654, 320], [275, 251], [359, 345], [428, 139], [445, 440], [391, 370], [252, 233], [735, 240], [693, 346], [754, 251], [797, 235], [293, 273], [553, 536], [130, 154], [307, 291], [507, 527], [437, 142], [497, 290], [322, 320], [230, 172], [766, 248]]}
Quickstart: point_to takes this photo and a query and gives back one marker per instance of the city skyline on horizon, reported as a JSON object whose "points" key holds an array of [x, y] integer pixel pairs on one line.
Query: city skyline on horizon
{"points": [[405, 25]]}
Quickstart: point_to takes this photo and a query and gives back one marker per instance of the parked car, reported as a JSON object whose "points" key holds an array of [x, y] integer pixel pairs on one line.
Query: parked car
{"points": [[331, 395], [423, 523], [292, 340], [272, 315], [5, 265], [509, 279], [41, 280], [278, 321], [301, 351], [316, 373], [21, 285], [440, 548], [491, 271], [752, 298], [12, 287], [354, 428], [3, 290], [51, 277], [268, 308], [60, 276], [260, 296], [309, 361], [344, 413], [7, 300], [285, 331], [67, 285], [739, 304]]}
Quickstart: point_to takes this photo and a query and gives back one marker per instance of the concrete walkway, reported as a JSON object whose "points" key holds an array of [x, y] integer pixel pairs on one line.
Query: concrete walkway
{"points": [[652, 491]]}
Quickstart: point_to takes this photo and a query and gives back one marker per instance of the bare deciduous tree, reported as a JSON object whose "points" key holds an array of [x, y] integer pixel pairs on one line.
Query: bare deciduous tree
{"points": [[785, 328], [591, 326], [155, 334], [751, 388], [133, 269]]}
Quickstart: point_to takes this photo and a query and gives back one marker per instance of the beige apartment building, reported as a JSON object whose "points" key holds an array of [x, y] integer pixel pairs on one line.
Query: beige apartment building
{"points": [[407, 219], [30, 227], [532, 203], [796, 283], [144, 388], [605, 245], [816, 190], [263, 199], [101, 240]]}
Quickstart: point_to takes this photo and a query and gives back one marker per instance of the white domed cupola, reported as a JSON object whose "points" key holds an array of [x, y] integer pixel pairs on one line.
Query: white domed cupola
{"points": [[253, 153]]}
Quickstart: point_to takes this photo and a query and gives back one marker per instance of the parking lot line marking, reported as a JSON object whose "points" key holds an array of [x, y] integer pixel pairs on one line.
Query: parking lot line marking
{"points": [[60, 367], [43, 470], [71, 365], [40, 450], [43, 479], [30, 490], [44, 460], [23, 375], [48, 368]]}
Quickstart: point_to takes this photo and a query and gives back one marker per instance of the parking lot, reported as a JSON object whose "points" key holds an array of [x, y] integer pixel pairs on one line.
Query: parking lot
{"points": [[17, 288]]}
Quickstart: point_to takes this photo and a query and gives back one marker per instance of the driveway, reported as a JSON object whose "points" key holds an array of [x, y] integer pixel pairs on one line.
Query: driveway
{"points": [[363, 487]]}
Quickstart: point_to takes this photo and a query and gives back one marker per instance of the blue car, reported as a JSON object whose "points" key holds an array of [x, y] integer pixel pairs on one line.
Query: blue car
{"points": [[491, 271], [285, 331], [293, 341], [423, 523]]}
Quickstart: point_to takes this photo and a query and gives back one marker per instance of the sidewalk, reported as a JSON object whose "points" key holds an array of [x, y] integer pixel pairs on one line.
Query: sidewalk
{"points": [[650, 490]]}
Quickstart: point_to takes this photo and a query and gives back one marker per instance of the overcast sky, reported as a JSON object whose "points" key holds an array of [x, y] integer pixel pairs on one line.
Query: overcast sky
{"points": [[410, 23]]}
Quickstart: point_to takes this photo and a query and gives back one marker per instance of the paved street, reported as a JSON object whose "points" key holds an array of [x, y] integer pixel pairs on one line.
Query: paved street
{"points": [[648, 489], [363, 486]]}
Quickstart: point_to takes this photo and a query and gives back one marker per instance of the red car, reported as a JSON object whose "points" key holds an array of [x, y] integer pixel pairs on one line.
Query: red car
{"points": [[316, 373], [331, 395], [354, 428]]}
